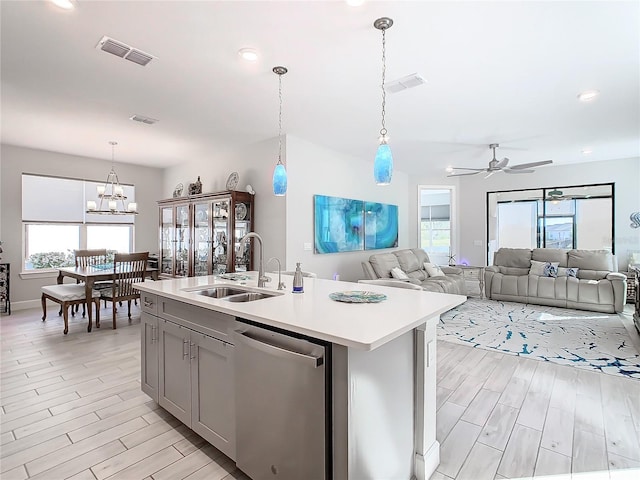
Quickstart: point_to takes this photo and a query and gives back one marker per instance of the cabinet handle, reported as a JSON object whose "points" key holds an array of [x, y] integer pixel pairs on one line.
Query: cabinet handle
{"points": [[185, 343], [192, 350]]}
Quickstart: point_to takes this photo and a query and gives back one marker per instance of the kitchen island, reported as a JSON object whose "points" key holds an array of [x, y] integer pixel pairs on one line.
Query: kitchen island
{"points": [[379, 378]]}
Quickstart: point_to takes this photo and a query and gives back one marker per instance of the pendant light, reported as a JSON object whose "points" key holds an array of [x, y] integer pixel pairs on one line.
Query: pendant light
{"points": [[279, 173], [111, 195], [383, 163]]}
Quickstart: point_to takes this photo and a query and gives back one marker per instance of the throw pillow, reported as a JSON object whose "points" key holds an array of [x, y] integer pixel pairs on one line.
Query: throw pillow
{"points": [[433, 270], [544, 269], [567, 272], [396, 272]]}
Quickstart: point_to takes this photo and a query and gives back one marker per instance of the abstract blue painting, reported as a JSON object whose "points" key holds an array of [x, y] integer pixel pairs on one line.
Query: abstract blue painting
{"points": [[380, 225], [338, 224]]}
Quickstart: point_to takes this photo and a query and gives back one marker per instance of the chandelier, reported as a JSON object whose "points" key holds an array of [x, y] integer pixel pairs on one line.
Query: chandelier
{"points": [[111, 195]]}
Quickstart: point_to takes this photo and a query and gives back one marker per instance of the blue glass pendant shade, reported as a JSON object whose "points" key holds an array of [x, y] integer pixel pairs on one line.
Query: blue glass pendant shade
{"points": [[383, 165], [279, 180]]}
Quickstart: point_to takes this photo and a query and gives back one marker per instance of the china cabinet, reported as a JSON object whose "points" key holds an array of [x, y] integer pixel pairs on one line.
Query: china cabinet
{"points": [[200, 234]]}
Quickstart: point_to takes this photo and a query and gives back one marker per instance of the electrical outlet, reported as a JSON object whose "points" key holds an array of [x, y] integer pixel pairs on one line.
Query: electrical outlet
{"points": [[306, 246]]}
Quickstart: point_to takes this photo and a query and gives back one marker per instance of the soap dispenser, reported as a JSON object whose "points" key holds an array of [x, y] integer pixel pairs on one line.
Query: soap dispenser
{"points": [[297, 280]]}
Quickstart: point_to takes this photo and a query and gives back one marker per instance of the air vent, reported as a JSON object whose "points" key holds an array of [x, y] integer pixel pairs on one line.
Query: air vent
{"points": [[143, 119], [403, 83], [122, 50]]}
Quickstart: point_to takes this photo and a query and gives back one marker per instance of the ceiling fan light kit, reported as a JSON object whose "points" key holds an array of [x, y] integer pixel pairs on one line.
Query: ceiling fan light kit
{"points": [[497, 166]]}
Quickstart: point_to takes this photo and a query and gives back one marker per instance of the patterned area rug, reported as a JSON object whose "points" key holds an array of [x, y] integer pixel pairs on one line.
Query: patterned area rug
{"points": [[591, 340]]}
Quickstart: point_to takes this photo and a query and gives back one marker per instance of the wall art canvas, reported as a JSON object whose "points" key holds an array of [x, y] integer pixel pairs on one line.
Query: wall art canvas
{"points": [[380, 225], [338, 224]]}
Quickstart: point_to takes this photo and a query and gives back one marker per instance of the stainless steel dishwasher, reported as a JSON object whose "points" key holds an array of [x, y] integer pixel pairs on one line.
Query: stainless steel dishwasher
{"points": [[282, 405]]}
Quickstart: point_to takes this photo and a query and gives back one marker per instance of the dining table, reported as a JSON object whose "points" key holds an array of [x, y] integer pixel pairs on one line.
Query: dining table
{"points": [[95, 273]]}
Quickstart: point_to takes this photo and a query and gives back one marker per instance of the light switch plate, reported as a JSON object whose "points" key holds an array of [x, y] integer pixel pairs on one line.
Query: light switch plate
{"points": [[307, 246], [477, 243]]}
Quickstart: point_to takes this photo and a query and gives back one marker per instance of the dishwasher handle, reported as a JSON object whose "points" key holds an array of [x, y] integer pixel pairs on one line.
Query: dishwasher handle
{"points": [[309, 360]]}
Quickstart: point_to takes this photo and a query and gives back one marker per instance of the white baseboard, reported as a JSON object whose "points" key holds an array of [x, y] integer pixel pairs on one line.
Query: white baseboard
{"points": [[425, 465], [26, 304]]}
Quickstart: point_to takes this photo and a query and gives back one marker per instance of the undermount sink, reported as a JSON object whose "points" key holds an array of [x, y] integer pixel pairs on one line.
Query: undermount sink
{"points": [[219, 292], [248, 297]]}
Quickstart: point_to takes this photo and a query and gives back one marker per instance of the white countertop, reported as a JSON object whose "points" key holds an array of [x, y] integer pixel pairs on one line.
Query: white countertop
{"points": [[364, 326]]}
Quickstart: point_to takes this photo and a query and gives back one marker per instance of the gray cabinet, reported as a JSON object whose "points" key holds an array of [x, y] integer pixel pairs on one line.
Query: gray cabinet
{"points": [[149, 345], [196, 371], [149, 355], [212, 392]]}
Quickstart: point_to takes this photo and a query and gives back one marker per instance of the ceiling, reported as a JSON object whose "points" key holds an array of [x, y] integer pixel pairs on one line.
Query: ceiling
{"points": [[504, 72]]}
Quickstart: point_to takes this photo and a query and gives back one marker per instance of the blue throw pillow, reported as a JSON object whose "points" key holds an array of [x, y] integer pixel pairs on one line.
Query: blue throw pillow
{"points": [[550, 270]]}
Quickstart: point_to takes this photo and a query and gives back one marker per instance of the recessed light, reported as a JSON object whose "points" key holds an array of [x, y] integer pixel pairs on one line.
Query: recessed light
{"points": [[355, 3], [248, 54], [449, 169], [587, 151], [588, 95], [66, 4]]}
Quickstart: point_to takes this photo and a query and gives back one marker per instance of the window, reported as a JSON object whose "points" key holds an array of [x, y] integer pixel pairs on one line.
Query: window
{"points": [[55, 223], [435, 216], [559, 217]]}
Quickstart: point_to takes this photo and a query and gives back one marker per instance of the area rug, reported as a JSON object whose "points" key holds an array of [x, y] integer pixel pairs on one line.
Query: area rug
{"points": [[590, 340]]}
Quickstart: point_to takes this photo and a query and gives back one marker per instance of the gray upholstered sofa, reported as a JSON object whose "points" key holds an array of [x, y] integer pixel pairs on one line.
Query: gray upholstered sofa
{"points": [[411, 262], [516, 277]]}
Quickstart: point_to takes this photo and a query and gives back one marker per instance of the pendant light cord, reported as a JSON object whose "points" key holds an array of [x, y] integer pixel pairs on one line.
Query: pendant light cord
{"points": [[383, 130], [280, 119]]}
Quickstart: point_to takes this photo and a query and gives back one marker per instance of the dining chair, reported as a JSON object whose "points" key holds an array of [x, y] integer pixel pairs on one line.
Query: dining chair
{"points": [[89, 257], [128, 269], [69, 295]]}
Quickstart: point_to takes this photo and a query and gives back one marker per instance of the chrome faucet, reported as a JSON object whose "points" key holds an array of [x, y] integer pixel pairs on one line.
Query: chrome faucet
{"points": [[281, 285], [262, 279]]}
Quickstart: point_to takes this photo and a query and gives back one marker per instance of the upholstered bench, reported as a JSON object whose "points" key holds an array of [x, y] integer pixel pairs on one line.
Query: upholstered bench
{"points": [[67, 295]]}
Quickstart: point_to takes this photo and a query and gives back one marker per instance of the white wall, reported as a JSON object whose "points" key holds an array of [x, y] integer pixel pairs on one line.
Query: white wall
{"points": [[625, 173], [316, 170], [18, 160], [254, 164]]}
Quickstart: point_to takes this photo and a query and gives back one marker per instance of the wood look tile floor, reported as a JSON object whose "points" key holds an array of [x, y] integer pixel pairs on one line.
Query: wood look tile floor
{"points": [[71, 407]]}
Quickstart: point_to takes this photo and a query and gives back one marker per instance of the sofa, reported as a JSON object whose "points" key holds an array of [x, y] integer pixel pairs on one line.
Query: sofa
{"points": [[579, 279], [412, 263]]}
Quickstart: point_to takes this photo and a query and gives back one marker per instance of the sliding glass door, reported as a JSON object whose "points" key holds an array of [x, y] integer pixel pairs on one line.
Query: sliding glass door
{"points": [[558, 217]]}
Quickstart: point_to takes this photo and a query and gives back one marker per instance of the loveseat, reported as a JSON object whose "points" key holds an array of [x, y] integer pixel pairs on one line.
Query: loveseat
{"points": [[411, 263], [580, 279]]}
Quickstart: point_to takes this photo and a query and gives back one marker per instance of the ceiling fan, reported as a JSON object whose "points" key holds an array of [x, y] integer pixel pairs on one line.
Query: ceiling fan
{"points": [[556, 194], [499, 166]]}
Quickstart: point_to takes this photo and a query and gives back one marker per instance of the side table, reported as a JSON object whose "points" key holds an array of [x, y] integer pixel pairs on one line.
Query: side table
{"points": [[474, 274]]}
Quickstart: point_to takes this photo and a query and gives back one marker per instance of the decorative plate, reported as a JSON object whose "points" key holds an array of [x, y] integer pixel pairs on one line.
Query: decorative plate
{"points": [[241, 211], [357, 296], [232, 181], [177, 192]]}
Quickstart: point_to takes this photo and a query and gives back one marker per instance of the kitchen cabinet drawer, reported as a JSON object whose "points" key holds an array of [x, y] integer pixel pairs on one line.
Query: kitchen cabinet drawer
{"points": [[209, 322], [149, 303]]}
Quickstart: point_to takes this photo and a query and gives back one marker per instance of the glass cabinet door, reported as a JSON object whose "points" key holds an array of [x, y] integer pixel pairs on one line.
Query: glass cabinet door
{"points": [[201, 239], [166, 240], [220, 234], [242, 227], [182, 241]]}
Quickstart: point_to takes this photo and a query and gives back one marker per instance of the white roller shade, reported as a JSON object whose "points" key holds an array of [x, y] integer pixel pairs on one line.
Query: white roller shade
{"points": [[51, 199]]}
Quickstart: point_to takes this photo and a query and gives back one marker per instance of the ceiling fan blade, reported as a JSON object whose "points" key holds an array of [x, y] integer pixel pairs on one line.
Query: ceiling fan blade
{"points": [[511, 170], [462, 174], [531, 165], [490, 173], [503, 163], [474, 169]]}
